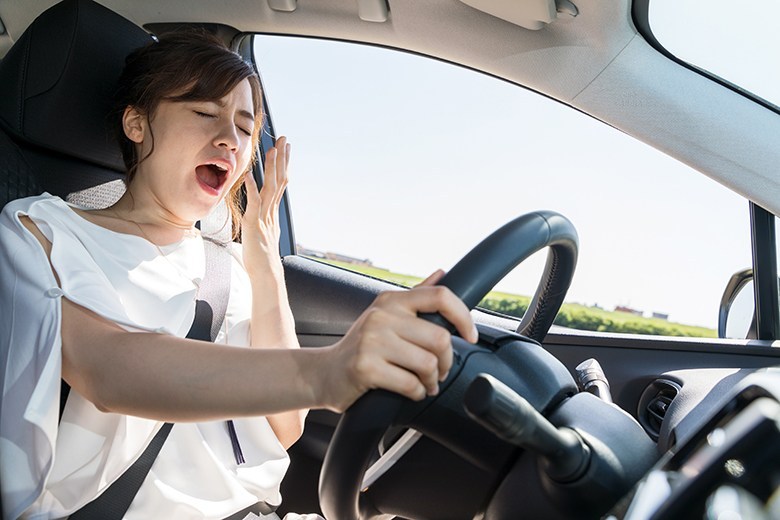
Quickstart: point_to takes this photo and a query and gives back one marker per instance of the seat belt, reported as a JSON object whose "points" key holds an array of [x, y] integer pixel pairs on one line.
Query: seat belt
{"points": [[210, 310]]}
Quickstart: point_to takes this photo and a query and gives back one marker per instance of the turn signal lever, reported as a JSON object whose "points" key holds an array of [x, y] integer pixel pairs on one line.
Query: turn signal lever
{"points": [[502, 411], [591, 378]]}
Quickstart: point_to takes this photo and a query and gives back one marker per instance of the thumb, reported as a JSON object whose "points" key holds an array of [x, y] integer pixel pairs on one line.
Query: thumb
{"points": [[432, 279]]}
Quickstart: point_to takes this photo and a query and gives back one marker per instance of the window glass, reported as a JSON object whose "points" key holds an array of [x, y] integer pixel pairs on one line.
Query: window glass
{"points": [[401, 164], [737, 41]]}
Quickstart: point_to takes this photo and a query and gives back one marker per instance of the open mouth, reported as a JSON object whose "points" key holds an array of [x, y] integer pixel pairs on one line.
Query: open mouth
{"points": [[212, 175]]}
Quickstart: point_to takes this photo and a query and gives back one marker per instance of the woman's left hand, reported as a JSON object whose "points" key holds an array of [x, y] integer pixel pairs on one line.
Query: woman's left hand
{"points": [[272, 323], [260, 229]]}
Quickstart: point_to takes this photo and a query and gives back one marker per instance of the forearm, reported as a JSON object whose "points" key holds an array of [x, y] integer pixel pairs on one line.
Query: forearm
{"points": [[273, 326], [173, 379], [272, 321]]}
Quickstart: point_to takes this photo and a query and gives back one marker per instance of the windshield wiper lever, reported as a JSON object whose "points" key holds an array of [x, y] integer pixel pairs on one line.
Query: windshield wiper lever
{"points": [[501, 410], [591, 378]]}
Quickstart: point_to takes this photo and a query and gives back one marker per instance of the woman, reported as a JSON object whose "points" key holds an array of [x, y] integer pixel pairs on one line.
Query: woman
{"points": [[115, 290]]}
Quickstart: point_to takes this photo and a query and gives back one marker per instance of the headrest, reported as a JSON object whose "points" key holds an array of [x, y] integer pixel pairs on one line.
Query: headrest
{"points": [[58, 79]]}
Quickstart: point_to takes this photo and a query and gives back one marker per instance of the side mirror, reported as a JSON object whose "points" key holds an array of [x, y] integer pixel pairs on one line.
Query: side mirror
{"points": [[737, 315]]}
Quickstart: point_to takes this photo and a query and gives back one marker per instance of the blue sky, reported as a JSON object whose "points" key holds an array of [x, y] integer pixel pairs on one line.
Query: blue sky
{"points": [[410, 162]]}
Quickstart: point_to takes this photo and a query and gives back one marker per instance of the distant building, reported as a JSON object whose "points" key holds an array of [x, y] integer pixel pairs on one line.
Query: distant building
{"points": [[623, 308], [347, 259], [305, 251], [661, 316], [332, 256]]}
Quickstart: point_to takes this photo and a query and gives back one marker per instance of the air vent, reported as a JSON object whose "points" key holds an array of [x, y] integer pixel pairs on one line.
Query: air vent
{"points": [[654, 403]]}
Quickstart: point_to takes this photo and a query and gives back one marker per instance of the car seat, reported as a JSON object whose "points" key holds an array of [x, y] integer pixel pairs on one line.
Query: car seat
{"points": [[56, 86]]}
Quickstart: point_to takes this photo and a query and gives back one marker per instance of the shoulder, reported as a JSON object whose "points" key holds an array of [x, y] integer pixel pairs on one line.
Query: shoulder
{"points": [[19, 213], [27, 204], [29, 211]]}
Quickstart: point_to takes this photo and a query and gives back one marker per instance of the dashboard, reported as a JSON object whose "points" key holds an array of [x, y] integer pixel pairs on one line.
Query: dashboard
{"points": [[728, 467]]}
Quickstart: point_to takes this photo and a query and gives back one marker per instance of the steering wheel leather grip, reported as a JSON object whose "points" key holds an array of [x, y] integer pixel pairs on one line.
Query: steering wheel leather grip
{"points": [[493, 258], [362, 426]]}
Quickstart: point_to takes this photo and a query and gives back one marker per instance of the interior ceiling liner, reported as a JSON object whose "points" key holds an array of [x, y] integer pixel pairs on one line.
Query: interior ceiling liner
{"points": [[531, 14]]}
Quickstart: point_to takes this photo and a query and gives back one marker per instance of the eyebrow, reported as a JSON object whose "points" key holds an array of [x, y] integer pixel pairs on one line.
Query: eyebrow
{"points": [[243, 113], [247, 114]]}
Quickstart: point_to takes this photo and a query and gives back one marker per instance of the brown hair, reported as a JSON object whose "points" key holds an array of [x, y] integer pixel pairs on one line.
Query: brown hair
{"points": [[183, 66]]}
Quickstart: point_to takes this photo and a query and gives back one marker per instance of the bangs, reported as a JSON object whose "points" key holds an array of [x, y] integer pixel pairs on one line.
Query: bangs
{"points": [[224, 76]]}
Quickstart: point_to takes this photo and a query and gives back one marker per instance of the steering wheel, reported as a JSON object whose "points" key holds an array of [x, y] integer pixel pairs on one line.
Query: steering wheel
{"points": [[535, 373]]}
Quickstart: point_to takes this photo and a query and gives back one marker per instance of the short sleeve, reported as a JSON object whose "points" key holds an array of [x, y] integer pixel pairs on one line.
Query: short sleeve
{"points": [[30, 363]]}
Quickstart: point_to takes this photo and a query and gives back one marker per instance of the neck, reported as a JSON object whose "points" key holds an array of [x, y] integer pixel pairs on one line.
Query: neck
{"points": [[158, 223]]}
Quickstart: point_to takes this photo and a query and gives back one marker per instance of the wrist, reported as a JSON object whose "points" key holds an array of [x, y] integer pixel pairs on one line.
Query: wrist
{"points": [[315, 371], [270, 269]]}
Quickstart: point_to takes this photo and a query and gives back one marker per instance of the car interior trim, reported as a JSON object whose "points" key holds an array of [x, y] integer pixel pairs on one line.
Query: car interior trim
{"points": [[762, 226], [390, 457], [640, 15]]}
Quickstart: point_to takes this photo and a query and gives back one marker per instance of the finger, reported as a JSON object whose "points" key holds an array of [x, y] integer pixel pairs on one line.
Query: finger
{"points": [[249, 180], [252, 196], [371, 369], [423, 363], [395, 351], [407, 341], [436, 341], [281, 146], [432, 279], [440, 299], [283, 151], [396, 379], [269, 178]]}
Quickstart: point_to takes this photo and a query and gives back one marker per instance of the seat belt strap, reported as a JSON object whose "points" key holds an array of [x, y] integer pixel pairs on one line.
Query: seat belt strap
{"points": [[114, 502], [210, 310]]}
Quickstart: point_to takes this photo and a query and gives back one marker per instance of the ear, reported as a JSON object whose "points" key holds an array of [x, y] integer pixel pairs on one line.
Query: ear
{"points": [[134, 124]]}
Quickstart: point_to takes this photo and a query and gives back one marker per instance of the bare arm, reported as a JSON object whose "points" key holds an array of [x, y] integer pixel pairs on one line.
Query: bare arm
{"points": [[175, 379], [272, 322]]}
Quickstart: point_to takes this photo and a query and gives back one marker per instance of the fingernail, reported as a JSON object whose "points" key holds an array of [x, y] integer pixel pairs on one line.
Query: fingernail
{"points": [[435, 391], [475, 334], [444, 376]]}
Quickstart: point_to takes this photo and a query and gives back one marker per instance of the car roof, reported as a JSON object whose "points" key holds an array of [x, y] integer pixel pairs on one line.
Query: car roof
{"points": [[597, 62]]}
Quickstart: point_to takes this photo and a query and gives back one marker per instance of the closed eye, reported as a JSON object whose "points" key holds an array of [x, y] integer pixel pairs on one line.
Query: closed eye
{"points": [[205, 114], [244, 130]]}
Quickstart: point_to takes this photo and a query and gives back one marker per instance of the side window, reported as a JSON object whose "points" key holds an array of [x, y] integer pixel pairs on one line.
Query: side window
{"points": [[401, 164]]}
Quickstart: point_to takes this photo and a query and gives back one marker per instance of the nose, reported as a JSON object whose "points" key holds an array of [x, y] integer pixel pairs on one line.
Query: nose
{"points": [[227, 137]]}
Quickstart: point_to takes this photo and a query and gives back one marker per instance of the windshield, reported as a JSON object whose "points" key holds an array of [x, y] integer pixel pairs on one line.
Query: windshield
{"points": [[736, 41]]}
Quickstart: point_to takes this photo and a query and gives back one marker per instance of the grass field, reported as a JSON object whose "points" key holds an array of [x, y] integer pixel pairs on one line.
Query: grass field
{"points": [[571, 314]]}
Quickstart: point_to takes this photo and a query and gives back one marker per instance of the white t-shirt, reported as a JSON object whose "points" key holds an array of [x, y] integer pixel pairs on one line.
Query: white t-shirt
{"points": [[51, 468]]}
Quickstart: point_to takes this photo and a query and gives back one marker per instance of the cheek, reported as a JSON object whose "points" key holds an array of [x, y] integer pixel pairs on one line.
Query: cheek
{"points": [[235, 180], [242, 164]]}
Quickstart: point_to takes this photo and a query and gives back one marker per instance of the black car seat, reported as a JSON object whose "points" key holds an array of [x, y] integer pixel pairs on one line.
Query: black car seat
{"points": [[56, 86]]}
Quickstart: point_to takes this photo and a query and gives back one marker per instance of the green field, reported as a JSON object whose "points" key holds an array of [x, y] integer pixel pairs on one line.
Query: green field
{"points": [[571, 315]]}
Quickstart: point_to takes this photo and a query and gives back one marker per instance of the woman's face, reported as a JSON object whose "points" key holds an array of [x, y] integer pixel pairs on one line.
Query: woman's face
{"points": [[201, 148]]}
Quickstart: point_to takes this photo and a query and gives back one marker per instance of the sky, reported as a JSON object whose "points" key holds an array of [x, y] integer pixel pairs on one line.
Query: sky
{"points": [[410, 162]]}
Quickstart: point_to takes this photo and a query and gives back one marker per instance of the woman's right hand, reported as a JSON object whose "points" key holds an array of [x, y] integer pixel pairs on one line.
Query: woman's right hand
{"points": [[390, 347]]}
